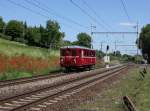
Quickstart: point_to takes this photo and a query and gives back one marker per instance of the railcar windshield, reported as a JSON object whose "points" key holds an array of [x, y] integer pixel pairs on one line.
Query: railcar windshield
{"points": [[68, 52], [62, 52], [73, 52]]}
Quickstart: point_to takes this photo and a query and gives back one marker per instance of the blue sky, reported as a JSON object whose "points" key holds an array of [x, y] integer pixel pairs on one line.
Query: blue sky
{"points": [[111, 11]]}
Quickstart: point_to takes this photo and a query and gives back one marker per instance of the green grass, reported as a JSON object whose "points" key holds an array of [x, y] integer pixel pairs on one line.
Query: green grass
{"points": [[20, 74], [11, 48], [14, 75], [132, 85]]}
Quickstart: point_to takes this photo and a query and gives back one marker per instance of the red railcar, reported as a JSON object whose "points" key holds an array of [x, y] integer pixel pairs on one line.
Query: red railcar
{"points": [[77, 57]]}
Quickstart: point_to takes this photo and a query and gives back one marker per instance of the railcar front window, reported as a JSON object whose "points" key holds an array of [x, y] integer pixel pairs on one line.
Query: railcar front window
{"points": [[63, 52], [74, 52], [68, 52]]}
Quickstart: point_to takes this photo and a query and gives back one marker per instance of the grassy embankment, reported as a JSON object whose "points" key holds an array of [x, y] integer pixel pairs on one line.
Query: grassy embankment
{"points": [[132, 85], [19, 60]]}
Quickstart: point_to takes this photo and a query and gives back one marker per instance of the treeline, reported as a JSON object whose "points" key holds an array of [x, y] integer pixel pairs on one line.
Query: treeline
{"points": [[35, 36], [49, 36], [144, 42]]}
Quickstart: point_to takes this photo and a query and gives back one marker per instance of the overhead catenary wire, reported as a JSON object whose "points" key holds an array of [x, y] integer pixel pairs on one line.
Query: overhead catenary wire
{"points": [[46, 9], [87, 14], [125, 10], [95, 13], [29, 9], [37, 13]]}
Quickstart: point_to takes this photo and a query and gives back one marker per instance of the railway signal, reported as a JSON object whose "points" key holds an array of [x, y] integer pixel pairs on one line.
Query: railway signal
{"points": [[107, 48]]}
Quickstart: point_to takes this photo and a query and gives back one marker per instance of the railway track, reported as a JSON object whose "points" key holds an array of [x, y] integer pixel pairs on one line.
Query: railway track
{"points": [[29, 79], [6, 83], [37, 100]]}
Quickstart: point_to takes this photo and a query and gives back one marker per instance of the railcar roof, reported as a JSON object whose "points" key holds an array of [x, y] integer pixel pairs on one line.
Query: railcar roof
{"points": [[72, 47]]}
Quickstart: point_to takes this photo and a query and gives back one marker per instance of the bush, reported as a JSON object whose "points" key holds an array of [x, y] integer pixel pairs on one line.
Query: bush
{"points": [[5, 37]]}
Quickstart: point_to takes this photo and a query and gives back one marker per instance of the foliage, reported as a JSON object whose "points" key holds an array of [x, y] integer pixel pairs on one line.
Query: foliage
{"points": [[33, 36], [67, 43], [2, 24], [83, 39], [47, 37], [14, 29], [144, 39], [99, 54], [128, 58], [11, 48], [25, 63], [117, 53], [53, 34], [19, 60], [3, 36]]}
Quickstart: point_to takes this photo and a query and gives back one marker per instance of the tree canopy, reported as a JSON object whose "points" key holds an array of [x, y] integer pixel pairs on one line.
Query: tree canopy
{"points": [[54, 36], [2, 24], [83, 39], [49, 36], [14, 29], [144, 41]]}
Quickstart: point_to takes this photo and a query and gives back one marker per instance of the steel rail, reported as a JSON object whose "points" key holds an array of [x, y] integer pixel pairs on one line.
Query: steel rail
{"points": [[60, 85]]}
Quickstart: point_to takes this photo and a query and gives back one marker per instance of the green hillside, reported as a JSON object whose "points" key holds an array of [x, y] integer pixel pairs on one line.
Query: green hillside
{"points": [[11, 48], [19, 60]]}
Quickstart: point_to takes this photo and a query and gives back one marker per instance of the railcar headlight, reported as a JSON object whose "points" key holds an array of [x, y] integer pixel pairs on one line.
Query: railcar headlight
{"points": [[62, 60]]}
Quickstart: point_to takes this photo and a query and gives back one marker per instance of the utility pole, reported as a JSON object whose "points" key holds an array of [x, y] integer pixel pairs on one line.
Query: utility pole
{"points": [[115, 46], [138, 40], [101, 45], [118, 33], [91, 28]]}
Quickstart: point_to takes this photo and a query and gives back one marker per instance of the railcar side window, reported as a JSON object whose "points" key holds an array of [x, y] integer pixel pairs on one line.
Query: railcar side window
{"points": [[91, 53], [84, 52], [73, 52], [79, 53], [94, 54]]}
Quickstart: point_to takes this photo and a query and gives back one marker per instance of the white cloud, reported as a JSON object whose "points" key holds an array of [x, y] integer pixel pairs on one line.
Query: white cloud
{"points": [[127, 24]]}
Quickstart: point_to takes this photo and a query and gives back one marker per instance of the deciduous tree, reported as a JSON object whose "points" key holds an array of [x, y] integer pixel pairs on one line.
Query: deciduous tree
{"points": [[144, 41], [84, 40], [14, 29], [2, 24]]}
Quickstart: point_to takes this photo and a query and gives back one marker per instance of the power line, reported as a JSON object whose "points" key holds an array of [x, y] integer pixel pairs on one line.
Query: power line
{"points": [[114, 32], [98, 16], [35, 12], [92, 18], [29, 9], [53, 13], [125, 10]]}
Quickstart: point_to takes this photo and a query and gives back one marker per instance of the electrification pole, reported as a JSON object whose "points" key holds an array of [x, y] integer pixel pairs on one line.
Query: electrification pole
{"points": [[101, 45], [138, 40], [92, 26]]}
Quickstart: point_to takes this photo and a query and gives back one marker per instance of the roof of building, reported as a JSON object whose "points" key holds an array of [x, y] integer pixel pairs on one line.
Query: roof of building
{"points": [[72, 47]]}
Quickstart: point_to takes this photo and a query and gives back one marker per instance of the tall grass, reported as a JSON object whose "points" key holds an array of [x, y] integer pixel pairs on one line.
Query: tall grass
{"points": [[19, 60], [10, 48]]}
